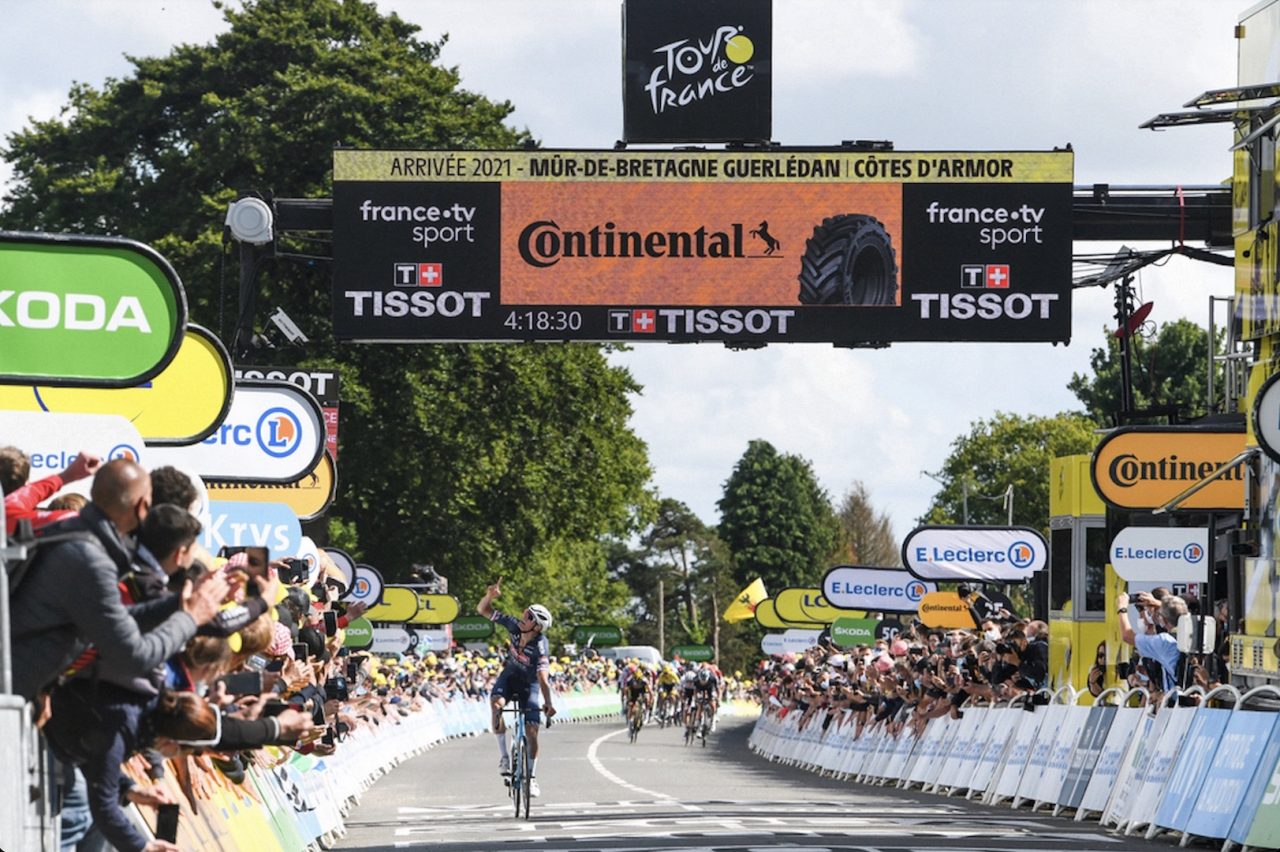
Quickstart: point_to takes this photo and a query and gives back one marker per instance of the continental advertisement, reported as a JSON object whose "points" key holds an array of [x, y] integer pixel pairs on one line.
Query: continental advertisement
{"points": [[851, 248], [1144, 468]]}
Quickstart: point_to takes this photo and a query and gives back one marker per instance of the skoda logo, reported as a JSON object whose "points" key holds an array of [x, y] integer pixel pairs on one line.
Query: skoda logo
{"points": [[1193, 552], [1021, 555], [279, 432], [915, 591], [123, 451]]}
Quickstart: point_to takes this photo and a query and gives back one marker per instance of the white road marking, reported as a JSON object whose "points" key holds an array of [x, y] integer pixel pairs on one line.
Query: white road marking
{"points": [[599, 767]]}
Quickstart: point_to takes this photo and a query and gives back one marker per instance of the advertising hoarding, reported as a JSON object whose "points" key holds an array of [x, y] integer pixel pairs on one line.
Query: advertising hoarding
{"points": [[874, 589], [399, 604], [982, 554], [273, 433], [269, 525], [830, 246], [308, 497], [809, 606], [182, 404], [1145, 467], [945, 609], [324, 385], [852, 632], [86, 311], [697, 72], [436, 609], [1161, 554], [766, 615]]}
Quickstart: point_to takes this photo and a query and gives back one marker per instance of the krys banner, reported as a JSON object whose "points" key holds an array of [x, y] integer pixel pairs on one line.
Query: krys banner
{"points": [[86, 311], [764, 246]]}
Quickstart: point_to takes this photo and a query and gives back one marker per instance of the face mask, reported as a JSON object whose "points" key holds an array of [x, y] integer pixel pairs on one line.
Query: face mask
{"points": [[201, 688], [993, 635]]}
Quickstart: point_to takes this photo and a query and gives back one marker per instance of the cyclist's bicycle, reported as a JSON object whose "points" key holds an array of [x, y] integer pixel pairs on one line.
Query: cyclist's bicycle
{"points": [[635, 719], [519, 783], [665, 711], [694, 723]]}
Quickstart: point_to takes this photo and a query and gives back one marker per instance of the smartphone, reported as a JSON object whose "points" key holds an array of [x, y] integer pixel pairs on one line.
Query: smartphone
{"points": [[274, 666], [330, 622], [258, 557], [257, 663], [301, 651], [273, 708], [294, 571], [243, 683], [167, 823]]}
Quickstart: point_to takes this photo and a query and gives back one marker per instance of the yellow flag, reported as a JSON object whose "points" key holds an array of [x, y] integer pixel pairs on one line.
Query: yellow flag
{"points": [[744, 605]]}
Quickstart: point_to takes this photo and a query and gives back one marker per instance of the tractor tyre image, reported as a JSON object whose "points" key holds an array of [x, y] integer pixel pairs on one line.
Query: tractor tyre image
{"points": [[849, 260]]}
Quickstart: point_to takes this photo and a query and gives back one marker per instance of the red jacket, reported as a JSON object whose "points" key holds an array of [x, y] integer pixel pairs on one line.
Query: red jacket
{"points": [[21, 504]]}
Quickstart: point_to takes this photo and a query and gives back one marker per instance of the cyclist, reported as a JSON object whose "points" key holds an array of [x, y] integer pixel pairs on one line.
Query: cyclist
{"points": [[687, 681], [707, 689], [525, 667], [668, 680], [718, 676], [637, 690]]}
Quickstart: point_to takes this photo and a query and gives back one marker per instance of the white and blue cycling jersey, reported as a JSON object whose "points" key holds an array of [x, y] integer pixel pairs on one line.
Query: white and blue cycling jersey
{"points": [[519, 678]]}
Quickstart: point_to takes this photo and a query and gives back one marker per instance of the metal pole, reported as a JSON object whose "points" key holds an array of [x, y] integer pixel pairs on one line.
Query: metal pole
{"points": [[6, 553], [964, 486], [1008, 502], [662, 620]]}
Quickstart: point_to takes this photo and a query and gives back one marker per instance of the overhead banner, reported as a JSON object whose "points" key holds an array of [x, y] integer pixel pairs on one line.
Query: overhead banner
{"points": [[982, 554], [86, 311], [322, 384], [945, 609], [1145, 467], [697, 72], [874, 589], [308, 497], [809, 606], [269, 525], [1161, 554], [597, 635], [183, 404], [273, 433], [836, 246]]}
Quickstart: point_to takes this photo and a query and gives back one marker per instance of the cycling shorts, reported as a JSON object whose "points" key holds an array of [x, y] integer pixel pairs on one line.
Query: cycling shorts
{"points": [[514, 686]]}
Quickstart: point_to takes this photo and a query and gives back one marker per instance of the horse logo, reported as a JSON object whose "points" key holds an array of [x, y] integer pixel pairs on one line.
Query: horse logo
{"points": [[771, 243]]}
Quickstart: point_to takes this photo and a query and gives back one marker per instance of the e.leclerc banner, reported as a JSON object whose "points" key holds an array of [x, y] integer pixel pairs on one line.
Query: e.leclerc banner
{"points": [[874, 589], [86, 311], [274, 433], [1161, 554], [982, 554], [182, 404], [834, 246]]}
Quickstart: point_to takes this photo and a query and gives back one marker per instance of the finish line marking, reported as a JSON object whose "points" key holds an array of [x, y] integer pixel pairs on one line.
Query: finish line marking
{"points": [[599, 767]]}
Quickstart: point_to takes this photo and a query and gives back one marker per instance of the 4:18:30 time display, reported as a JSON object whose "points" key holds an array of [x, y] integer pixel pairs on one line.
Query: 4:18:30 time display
{"points": [[543, 321]]}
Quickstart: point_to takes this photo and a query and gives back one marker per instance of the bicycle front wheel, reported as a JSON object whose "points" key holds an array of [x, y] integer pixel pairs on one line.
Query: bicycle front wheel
{"points": [[517, 776], [526, 773]]}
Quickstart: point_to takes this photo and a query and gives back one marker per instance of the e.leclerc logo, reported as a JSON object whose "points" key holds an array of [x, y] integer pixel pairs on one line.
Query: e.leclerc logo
{"points": [[279, 432], [1021, 555], [1193, 553], [915, 591], [123, 451]]}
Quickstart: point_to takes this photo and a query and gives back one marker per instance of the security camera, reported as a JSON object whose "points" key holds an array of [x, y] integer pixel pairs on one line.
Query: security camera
{"points": [[288, 327]]}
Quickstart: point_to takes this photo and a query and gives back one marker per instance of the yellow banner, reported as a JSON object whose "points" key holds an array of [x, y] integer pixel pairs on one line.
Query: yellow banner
{"points": [[1146, 467], [767, 617], [398, 605], [808, 605], [181, 405], [436, 609], [798, 167], [308, 497], [945, 609]]}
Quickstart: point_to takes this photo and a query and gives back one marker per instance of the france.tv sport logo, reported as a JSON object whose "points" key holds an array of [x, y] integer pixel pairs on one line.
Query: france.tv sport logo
{"points": [[279, 432]]}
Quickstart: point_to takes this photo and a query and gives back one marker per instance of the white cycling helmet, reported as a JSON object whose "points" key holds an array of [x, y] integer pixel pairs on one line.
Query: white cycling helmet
{"points": [[540, 615]]}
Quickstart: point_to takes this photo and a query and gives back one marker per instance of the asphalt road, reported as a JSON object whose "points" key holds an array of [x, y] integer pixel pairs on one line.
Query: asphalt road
{"points": [[600, 792]]}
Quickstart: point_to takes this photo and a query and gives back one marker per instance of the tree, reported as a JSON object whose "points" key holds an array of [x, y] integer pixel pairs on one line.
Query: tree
{"points": [[776, 519], [480, 459], [866, 536], [1007, 450], [1168, 370]]}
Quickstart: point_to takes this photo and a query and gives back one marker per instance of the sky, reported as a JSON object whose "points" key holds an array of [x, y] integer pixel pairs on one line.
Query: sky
{"points": [[978, 75]]}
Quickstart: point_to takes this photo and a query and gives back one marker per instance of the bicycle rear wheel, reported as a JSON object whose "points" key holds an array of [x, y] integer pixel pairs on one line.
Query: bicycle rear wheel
{"points": [[517, 778], [526, 773]]}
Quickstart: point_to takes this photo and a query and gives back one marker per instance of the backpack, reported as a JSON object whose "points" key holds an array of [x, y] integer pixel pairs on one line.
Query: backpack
{"points": [[36, 545]]}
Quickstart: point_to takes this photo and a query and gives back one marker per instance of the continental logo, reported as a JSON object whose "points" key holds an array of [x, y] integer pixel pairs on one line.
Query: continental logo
{"points": [[544, 243], [929, 607], [1144, 468]]}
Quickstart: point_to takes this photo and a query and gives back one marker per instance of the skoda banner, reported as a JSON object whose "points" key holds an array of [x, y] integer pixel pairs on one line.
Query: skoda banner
{"points": [[874, 589], [764, 246], [982, 554], [87, 311], [851, 632], [269, 525], [693, 653], [1161, 554], [357, 634], [597, 635], [274, 433], [468, 628], [1146, 467], [181, 405]]}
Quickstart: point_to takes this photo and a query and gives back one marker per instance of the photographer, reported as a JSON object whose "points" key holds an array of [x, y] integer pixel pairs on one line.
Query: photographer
{"points": [[1153, 644]]}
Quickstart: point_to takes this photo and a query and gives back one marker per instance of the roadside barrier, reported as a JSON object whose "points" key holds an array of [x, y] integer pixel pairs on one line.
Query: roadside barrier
{"points": [[1201, 771]]}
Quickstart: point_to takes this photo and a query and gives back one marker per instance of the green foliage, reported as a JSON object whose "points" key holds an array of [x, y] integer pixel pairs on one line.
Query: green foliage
{"points": [[866, 535], [1168, 370], [776, 519], [482, 460], [1008, 449]]}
